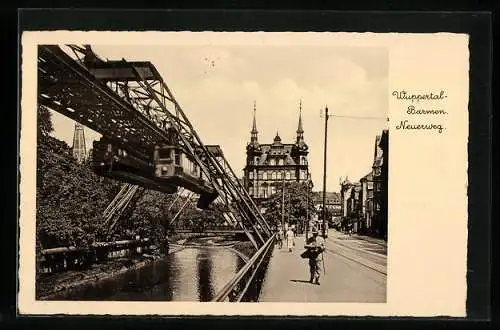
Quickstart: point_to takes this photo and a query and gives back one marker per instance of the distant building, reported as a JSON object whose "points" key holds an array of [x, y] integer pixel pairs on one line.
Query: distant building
{"points": [[367, 210], [79, 149], [364, 203], [333, 202], [269, 166]]}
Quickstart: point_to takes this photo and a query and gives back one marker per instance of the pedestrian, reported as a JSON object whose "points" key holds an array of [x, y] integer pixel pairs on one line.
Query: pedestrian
{"points": [[290, 239], [280, 237], [315, 247]]}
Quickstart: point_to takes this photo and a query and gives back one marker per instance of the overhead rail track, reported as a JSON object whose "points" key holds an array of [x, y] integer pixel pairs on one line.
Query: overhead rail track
{"points": [[129, 102]]}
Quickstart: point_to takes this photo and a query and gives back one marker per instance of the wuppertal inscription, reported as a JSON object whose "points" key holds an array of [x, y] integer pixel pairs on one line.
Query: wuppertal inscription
{"points": [[424, 110]]}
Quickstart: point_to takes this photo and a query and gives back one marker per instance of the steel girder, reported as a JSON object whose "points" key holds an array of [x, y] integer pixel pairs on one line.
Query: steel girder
{"points": [[137, 111]]}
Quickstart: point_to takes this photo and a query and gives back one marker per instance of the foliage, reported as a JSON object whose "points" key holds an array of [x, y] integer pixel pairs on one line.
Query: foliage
{"points": [[193, 217], [44, 121], [71, 199], [148, 218], [298, 202]]}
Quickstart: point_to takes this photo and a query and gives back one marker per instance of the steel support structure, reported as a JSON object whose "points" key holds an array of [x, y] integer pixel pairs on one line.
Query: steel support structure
{"points": [[131, 103]]}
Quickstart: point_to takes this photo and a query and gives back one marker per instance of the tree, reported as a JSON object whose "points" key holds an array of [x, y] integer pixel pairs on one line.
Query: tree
{"points": [[298, 203], [44, 118]]}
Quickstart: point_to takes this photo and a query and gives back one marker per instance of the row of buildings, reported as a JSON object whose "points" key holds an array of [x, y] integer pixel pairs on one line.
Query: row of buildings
{"points": [[364, 203]]}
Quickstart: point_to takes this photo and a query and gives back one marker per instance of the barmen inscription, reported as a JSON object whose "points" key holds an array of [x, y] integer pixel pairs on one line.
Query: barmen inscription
{"points": [[407, 124]]}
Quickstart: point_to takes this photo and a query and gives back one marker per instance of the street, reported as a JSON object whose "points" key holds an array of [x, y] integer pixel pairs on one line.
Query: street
{"points": [[355, 267]]}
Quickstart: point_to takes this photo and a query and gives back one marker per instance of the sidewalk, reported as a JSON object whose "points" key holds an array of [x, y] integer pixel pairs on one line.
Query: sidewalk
{"points": [[287, 279]]}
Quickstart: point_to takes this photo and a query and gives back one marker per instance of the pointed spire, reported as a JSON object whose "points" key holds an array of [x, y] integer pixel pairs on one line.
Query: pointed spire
{"points": [[300, 129], [253, 136], [254, 126]]}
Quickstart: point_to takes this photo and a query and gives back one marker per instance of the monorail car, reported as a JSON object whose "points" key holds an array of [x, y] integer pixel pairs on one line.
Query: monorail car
{"points": [[175, 166], [111, 160]]}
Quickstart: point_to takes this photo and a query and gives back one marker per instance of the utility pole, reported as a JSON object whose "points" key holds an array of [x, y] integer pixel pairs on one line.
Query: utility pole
{"points": [[283, 203], [306, 224], [324, 173]]}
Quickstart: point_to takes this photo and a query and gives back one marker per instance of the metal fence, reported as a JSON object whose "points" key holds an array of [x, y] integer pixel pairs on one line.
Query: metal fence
{"points": [[245, 284]]}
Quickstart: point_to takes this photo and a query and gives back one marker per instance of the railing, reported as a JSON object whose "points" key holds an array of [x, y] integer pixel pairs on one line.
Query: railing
{"points": [[237, 288]]}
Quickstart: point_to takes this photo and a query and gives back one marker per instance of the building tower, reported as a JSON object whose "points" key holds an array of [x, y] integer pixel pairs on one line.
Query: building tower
{"points": [[270, 165], [254, 141], [300, 129], [300, 150], [79, 150]]}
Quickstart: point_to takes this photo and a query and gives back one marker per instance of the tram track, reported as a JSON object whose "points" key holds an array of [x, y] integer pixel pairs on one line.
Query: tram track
{"points": [[369, 265], [376, 254], [372, 241]]}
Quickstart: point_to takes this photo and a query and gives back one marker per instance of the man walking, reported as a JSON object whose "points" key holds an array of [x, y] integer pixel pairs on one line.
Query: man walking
{"points": [[316, 246], [280, 237]]}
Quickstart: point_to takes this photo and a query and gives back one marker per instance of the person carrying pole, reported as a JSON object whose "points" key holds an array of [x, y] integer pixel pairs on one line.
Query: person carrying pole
{"points": [[314, 252]]}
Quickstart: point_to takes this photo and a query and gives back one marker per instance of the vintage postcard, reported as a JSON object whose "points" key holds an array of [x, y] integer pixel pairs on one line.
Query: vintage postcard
{"points": [[241, 173]]}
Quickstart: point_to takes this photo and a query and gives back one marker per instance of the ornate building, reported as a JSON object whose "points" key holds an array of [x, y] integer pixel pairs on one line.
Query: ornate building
{"points": [[268, 166]]}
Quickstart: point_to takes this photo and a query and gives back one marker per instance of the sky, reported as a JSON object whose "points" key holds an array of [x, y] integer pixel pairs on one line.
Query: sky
{"points": [[216, 87]]}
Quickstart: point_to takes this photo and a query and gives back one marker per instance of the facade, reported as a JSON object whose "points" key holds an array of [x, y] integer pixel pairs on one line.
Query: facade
{"points": [[367, 211], [364, 203], [380, 183], [269, 166]]}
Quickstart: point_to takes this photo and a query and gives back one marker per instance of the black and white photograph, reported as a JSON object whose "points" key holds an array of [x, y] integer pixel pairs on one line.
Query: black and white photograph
{"points": [[237, 172]]}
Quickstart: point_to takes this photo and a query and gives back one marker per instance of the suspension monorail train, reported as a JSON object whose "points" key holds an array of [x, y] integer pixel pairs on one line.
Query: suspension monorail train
{"points": [[111, 160], [177, 167], [172, 167]]}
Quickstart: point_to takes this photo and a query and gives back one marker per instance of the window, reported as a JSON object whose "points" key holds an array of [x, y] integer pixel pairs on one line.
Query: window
{"points": [[250, 175], [272, 161], [273, 176], [250, 191], [256, 160], [264, 176], [259, 175], [273, 189], [279, 176], [164, 153], [287, 175], [280, 162], [177, 157]]}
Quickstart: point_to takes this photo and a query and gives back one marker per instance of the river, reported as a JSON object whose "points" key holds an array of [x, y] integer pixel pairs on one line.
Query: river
{"points": [[191, 274]]}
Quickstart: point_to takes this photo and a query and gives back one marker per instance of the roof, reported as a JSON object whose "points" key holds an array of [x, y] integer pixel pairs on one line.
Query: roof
{"points": [[268, 150], [331, 197], [368, 177]]}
